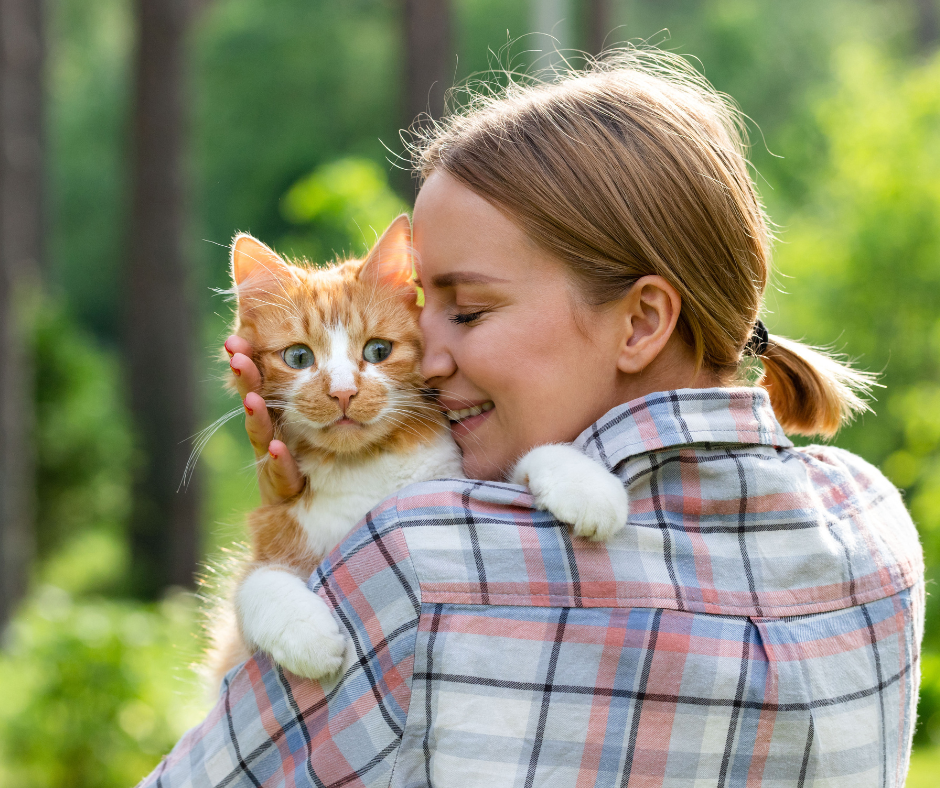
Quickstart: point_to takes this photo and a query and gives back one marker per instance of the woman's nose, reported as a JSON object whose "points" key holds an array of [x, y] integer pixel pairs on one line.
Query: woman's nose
{"points": [[437, 363]]}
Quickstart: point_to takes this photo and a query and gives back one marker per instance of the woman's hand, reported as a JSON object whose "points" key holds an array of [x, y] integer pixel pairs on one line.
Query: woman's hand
{"points": [[279, 478]]}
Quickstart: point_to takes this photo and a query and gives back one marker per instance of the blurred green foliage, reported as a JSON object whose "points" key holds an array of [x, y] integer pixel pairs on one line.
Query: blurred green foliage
{"points": [[88, 86], [279, 89], [83, 441], [294, 117], [94, 691], [859, 266], [347, 200]]}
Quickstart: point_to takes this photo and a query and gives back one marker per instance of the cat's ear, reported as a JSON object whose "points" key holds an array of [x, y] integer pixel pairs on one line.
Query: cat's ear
{"points": [[390, 261], [252, 259]]}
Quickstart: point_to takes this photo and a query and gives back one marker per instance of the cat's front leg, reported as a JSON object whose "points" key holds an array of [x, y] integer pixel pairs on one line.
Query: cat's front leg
{"points": [[575, 489], [279, 615]]}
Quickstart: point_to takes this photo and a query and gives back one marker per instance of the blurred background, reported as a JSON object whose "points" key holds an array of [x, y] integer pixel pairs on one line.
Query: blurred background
{"points": [[137, 136]]}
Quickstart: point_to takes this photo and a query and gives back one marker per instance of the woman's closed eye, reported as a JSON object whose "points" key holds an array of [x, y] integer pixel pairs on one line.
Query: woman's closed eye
{"points": [[466, 318]]}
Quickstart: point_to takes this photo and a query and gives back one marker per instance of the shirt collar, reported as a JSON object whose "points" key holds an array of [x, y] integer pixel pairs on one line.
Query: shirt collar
{"points": [[681, 418]]}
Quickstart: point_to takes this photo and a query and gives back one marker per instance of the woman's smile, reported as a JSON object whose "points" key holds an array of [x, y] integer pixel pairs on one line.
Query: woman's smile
{"points": [[466, 420]]}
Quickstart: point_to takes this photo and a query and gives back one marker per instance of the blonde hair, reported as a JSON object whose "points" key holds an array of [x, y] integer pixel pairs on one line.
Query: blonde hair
{"points": [[633, 166]]}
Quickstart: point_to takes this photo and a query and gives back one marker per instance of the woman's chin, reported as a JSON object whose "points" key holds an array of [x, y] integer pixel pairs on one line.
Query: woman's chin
{"points": [[478, 466]]}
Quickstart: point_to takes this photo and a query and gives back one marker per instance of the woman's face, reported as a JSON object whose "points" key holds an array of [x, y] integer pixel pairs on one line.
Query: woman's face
{"points": [[506, 332]]}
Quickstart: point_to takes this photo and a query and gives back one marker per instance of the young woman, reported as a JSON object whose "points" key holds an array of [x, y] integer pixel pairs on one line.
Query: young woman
{"points": [[593, 257]]}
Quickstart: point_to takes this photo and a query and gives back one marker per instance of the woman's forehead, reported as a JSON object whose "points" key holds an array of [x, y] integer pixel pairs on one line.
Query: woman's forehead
{"points": [[462, 239]]}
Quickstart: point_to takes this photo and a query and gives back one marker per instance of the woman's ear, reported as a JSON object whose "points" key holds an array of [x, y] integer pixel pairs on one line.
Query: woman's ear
{"points": [[650, 311]]}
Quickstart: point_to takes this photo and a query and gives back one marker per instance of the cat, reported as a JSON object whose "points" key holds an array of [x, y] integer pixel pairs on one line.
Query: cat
{"points": [[339, 352]]}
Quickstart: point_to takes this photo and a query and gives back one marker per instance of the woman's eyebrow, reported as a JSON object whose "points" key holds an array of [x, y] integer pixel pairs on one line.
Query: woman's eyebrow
{"points": [[463, 278]]}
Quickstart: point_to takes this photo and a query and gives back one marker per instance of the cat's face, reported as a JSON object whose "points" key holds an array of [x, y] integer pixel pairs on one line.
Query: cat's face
{"points": [[338, 348]]}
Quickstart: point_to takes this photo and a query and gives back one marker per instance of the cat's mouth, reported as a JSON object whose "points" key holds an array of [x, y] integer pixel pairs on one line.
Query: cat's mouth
{"points": [[466, 413]]}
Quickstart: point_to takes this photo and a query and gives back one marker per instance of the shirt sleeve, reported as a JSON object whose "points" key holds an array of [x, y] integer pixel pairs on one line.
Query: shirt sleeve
{"points": [[270, 727]]}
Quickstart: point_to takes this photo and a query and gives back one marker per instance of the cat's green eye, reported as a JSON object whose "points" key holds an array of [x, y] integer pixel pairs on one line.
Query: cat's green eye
{"points": [[376, 350], [298, 356]]}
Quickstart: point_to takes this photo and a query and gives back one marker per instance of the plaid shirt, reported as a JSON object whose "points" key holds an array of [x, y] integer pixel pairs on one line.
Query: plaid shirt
{"points": [[758, 622]]}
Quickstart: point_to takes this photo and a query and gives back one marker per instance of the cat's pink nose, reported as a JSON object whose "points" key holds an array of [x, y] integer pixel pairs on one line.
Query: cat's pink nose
{"points": [[343, 397]]}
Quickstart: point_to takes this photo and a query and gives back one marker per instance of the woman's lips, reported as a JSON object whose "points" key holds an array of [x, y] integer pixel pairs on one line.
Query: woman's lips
{"points": [[467, 423], [465, 413]]}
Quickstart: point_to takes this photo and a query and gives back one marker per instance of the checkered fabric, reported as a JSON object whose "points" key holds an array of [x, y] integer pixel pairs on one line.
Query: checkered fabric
{"points": [[758, 622]]}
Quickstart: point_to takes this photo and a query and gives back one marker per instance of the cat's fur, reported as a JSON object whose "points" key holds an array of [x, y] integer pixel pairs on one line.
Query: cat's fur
{"points": [[399, 436]]}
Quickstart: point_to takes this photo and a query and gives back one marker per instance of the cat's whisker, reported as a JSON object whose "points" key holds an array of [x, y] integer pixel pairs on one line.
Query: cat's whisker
{"points": [[388, 298], [429, 418], [285, 294], [200, 441], [268, 305], [414, 403], [281, 405], [470, 436], [258, 462], [284, 303], [372, 296], [285, 297], [296, 422], [467, 403], [264, 265], [426, 418], [403, 425]]}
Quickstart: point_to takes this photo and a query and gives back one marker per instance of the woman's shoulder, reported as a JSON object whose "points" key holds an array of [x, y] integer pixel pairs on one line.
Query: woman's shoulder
{"points": [[855, 491], [831, 466]]}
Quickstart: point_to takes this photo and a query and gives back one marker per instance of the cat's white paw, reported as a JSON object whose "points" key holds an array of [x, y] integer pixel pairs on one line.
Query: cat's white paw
{"points": [[575, 489], [282, 617], [309, 651]]}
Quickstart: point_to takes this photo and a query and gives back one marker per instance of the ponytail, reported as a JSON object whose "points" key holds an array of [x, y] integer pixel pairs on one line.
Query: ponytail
{"points": [[811, 392]]}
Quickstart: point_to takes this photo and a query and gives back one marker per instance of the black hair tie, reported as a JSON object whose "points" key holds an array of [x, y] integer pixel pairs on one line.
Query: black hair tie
{"points": [[759, 342]]}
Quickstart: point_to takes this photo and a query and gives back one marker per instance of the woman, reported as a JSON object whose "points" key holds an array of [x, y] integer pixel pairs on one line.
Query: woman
{"points": [[593, 257]]}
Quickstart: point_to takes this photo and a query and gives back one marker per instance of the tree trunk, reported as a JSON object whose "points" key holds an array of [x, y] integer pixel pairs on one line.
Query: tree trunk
{"points": [[21, 178], [927, 22], [160, 325], [429, 61], [429, 58], [598, 24]]}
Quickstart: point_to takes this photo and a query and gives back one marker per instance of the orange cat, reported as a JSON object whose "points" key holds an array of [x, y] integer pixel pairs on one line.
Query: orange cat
{"points": [[339, 352]]}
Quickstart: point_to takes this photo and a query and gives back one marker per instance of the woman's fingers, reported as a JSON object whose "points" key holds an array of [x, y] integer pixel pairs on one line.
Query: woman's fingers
{"points": [[280, 474], [279, 478], [257, 423], [247, 377], [235, 344]]}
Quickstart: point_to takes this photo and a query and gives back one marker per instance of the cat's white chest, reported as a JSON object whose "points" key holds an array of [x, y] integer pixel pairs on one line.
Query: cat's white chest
{"points": [[344, 493]]}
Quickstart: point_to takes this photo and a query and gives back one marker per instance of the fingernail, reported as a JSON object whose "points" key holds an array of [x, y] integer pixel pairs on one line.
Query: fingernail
{"points": [[248, 410], [235, 370], [273, 455], [230, 353]]}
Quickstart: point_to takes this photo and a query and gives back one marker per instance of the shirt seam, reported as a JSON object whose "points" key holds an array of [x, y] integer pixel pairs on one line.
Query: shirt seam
{"points": [[839, 602]]}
